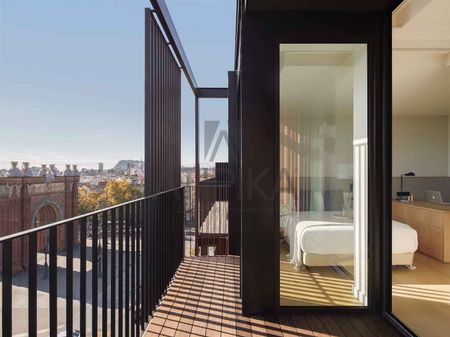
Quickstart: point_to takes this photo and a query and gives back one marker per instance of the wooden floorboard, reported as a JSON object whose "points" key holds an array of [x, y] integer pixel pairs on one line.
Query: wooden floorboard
{"points": [[361, 326], [347, 327], [332, 327], [380, 327], [203, 300], [316, 326]]}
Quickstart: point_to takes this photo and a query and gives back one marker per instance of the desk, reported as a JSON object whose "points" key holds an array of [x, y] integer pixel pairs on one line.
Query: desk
{"points": [[432, 223]]}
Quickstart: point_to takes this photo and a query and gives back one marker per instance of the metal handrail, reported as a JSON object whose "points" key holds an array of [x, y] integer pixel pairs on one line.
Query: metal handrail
{"points": [[136, 248], [78, 217]]}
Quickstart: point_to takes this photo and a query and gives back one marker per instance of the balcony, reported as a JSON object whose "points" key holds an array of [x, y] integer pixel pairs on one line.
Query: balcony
{"points": [[125, 254], [160, 265], [144, 284], [204, 300]]}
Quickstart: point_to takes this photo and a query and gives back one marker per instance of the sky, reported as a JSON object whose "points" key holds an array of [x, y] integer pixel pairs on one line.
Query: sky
{"points": [[72, 77]]}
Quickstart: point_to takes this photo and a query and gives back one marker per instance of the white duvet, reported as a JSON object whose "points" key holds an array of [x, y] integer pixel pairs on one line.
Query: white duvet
{"points": [[321, 237]]}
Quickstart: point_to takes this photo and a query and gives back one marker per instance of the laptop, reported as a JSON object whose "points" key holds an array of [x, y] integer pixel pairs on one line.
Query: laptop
{"points": [[435, 197]]}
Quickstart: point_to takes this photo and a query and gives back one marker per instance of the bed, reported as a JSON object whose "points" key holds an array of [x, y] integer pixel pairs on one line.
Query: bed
{"points": [[326, 239]]}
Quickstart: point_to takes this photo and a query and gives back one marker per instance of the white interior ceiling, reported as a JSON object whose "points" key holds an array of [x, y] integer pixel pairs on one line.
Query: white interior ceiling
{"points": [[316, 79], [421, 58]]}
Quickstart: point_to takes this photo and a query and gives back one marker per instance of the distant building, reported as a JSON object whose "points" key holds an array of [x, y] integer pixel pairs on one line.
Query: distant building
{"points": [[100, 167], [32, 201], [101, 185], [184, 178], [88, 172]]}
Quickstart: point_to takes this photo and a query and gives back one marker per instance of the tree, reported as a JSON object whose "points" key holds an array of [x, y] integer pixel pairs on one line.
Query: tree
{"points": [[88, 201], [116, 192], [120, 191]]}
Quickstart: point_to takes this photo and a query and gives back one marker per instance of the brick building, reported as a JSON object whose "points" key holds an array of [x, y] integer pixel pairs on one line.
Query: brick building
{"points": [[31, 201]]}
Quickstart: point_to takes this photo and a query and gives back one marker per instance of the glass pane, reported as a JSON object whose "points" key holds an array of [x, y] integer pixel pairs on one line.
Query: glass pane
{"points": [[421, 166], [323, 175]]}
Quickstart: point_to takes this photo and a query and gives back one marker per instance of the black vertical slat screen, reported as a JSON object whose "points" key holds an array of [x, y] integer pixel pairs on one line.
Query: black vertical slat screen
{"points": [[162, 112], [234, 226]]}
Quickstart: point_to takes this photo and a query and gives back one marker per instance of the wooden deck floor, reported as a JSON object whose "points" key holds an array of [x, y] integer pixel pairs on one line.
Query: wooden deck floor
{"points": [[203, 300]]}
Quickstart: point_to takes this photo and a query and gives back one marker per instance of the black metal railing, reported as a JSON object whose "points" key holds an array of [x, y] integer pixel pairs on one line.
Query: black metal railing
{"points": [[116, 263], [211, 231], [190, 220]]}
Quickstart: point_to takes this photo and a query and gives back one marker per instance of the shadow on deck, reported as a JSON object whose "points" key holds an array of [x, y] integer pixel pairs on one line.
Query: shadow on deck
{"points": [[203, 300]]}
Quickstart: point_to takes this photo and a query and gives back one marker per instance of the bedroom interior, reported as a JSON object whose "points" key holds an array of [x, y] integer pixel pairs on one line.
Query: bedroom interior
{"points": [[421, 144], [323, 170], [323, 141], [323, 225]]}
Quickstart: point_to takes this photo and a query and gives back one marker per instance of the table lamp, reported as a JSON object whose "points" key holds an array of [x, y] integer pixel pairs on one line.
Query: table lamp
{"points": [[402, 194]]}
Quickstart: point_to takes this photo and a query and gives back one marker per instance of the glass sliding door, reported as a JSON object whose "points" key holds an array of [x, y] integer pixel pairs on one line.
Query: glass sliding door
{"points": [[421, 166], [323, 175]]}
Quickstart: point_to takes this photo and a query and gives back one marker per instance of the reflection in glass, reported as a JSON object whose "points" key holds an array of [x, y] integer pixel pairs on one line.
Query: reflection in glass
{"points": [[420, 144], [323, 172]]}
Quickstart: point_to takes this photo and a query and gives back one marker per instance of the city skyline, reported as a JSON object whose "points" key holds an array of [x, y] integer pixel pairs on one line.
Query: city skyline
{"points": [[94, 166]]}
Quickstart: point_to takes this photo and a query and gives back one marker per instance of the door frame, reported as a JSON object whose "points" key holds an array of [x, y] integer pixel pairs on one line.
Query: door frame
{"points": [[319, 308], [267, 30], [260, 100], [376, 152], [387, 235]]}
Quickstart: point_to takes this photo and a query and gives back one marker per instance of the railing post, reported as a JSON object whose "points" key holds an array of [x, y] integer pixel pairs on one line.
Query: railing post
{"points": [[83, 239], [133, 268], [32, 285], [7, 289], [153, 256], [121, 271], [94, 274], [127, 271], [53, 281], [69, 278], [104, 274], [113, 272], [145, 261], [138, 266]]}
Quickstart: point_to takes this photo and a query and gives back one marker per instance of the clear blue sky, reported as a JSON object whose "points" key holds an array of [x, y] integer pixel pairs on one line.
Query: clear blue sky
{"points": [[72, 76]]}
